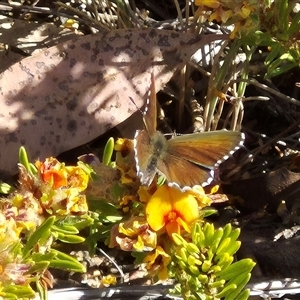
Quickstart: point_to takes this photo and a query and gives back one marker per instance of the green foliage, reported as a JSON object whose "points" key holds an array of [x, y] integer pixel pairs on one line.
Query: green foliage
{"points": [[108, 152], [67, 229], [207, 270], [27, 243], [39, 236], [203, 262], [23, 160], [280, 35], [5, 188], [271, 28]]}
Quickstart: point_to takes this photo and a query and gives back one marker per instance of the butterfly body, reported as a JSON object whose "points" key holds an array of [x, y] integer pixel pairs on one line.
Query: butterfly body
{"points": [[185, 160], [155, 147]]}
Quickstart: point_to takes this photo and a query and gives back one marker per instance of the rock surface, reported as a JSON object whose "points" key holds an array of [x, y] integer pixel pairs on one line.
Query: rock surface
{"points": [[71, 93]]}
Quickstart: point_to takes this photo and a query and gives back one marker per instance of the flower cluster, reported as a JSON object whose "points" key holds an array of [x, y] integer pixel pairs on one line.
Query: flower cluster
{"points": [[49, 189], [161, 212], [165, 229], [162, 225], [241, 14], [61, 186]]}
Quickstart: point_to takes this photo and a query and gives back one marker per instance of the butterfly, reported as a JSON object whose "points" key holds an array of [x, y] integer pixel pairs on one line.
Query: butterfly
{"points": [[185, 160]]}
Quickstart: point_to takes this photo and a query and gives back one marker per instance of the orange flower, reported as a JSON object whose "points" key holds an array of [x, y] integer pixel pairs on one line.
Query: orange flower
{"points": [[157, 262], [52, 173], [61, 186], [172, 210]]}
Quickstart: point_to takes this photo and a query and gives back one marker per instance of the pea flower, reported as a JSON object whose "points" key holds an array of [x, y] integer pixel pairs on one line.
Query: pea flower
{"points": [[172, 210], [61, 187], [125, 161], [157, 262], [133, 235]]}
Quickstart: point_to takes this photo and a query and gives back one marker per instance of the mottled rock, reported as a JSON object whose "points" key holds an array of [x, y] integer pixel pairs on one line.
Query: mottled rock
{"points": [[73, 92]]}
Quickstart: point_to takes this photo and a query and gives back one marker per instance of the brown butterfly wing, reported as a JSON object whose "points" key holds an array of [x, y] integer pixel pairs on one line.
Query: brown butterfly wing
{"points": [[191, 159], [206, 149], [145, 160], [183, 173]]}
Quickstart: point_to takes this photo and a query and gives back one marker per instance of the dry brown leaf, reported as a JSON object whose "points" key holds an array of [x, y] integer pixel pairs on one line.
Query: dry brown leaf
{"points": [[73, 92]]}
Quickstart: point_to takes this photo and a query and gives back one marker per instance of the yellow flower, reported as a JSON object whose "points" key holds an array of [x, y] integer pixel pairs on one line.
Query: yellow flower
{"points": [[245, 11], [133, 235], [57, 175], [77, 178], [208, 3], [221, 15], [157, 262], [60, 187], [108, 280], [126, 202], [125, 161], [124, 146], [144, 194], [171, 209], [198, 192]]}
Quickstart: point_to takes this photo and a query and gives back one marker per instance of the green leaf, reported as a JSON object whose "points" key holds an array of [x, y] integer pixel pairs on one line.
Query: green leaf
{"points": [[276, 50], [17, 291], [39, 267], [282, 10], [40, 257], [244, 295], [234, 270], [23, 159], [108, 152], [276, 69], [64, 228], [86, 168], [73, 224], [84, 222], [178, 239], [240, 282], [67, 265], [70, 238], [66, 262], [42, 291], [107, 212], [226, 290], [5, 188], [42, 232], [208, 211]]}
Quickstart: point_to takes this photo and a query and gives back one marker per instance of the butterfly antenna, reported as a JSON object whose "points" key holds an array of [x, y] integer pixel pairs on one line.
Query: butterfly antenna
{"points": [[143, 112]]}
